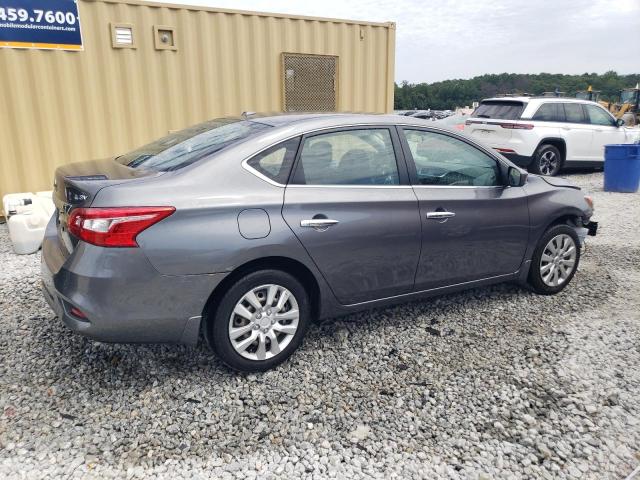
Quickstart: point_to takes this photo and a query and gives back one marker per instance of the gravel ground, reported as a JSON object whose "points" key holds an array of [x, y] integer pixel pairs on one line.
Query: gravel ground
{"points": [[490, 383]]}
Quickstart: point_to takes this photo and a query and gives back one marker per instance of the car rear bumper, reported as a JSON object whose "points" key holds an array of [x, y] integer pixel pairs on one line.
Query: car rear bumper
{"points": [[123, 297]]}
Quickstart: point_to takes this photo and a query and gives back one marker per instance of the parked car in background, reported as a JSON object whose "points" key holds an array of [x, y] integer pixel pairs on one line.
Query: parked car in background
{"points": [[545, 134], [244, 230], [423, 114], [455, 121]]}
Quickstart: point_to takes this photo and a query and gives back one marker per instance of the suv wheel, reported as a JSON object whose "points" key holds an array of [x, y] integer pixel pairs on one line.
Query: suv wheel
{"points": [[547, 160], [555, 260], [260, 321]]}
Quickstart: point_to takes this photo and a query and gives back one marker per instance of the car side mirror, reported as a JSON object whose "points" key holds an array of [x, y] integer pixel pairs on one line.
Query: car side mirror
{"points": [[516, 177], [620, 122]]}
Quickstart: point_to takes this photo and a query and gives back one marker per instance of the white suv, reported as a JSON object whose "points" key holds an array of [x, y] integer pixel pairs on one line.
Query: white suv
{"points": [[545, 134]]}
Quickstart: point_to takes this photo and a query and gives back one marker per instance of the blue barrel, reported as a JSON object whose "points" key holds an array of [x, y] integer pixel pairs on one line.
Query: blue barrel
{"points": [[621, 168]]}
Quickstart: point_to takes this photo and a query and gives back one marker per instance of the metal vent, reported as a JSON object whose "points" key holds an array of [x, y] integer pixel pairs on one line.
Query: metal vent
{"points": [[124, 36], [310, 82]]}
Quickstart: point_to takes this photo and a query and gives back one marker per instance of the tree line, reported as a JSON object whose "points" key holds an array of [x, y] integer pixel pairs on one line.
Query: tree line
{"points": [[449, 94]]}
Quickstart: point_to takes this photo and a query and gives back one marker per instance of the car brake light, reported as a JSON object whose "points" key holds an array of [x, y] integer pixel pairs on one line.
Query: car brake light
{"points": [[517, 126], [114, 227], [504, 150], [76, 312]]}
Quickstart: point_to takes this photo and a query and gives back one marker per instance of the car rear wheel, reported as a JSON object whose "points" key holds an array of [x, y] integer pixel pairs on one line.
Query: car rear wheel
{"points": [[260, 321], [555, 260], [547, 161]]}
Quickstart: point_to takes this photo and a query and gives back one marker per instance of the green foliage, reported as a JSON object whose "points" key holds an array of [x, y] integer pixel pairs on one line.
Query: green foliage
{"points": [[458, 93]]}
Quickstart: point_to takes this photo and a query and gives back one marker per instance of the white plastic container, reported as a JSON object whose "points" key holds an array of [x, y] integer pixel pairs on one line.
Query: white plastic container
{"points": [[27, 216]]}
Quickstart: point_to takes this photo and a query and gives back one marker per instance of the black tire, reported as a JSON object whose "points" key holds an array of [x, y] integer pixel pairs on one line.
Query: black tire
{"points": [[547, 160], [218, 323], [536, 280]]}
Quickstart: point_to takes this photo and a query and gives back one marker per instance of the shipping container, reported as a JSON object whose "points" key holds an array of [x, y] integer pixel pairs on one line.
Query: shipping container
{"points": [[145, 69]]}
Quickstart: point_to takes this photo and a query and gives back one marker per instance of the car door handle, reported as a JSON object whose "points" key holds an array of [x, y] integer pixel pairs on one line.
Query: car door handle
{"points": [[439, 215], [319, 223]]}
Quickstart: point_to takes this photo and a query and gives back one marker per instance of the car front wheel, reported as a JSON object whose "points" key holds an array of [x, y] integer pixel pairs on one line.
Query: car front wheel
{"points": [[555, 260], [260, 321]]}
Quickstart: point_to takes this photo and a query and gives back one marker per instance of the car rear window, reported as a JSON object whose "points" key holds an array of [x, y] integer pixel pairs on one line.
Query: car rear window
{"points": [[187, 146], [501, 109]]}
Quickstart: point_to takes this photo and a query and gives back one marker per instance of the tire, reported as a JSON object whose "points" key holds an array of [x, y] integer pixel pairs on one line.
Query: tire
{"points": [[540, 271], [278, 336], [547, 160]]}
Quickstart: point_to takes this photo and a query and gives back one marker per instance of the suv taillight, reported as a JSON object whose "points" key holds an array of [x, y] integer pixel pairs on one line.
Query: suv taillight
{"points": [[517, 126], [114, 227]]}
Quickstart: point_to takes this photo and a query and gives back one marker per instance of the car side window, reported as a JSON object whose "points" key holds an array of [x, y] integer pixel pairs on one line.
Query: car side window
{"points": [[275, 162], [573, 113], [444, 160], [549, 112], [597, 116], [349, 157]]}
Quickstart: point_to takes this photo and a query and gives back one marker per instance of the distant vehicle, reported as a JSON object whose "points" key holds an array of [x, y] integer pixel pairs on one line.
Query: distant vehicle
{"points": [[545, 134], [243, 231], [628, 106], [455, 121], [423, 114]]}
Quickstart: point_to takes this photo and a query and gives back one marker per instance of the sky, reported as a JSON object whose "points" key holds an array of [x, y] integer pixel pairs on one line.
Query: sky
{"points": [[446, 39]]}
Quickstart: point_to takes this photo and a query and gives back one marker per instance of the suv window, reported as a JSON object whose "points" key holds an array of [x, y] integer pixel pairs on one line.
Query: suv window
{"points": [[573, 112], [597, 116], [275, 162], [549, 112], [350, 157], [501, 109], [444, 160]]}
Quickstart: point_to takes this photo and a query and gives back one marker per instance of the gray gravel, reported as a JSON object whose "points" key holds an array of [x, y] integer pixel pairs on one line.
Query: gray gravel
{"points": [[490, 383]]}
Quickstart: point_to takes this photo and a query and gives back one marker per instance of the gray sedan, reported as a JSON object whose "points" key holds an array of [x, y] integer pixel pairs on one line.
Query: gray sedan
{"points": [[243, 230]]}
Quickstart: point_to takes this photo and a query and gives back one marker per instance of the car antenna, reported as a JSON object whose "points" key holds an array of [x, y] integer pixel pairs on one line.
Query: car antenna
{"points": [[246, 115]]}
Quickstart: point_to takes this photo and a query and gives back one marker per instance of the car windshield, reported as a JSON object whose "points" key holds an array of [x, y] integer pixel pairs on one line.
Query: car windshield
{"points": [[501, 109], [187, 146]]}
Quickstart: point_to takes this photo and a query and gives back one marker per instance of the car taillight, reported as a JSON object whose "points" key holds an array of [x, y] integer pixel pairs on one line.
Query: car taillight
{"points": [[114, 227], [517, 126]]}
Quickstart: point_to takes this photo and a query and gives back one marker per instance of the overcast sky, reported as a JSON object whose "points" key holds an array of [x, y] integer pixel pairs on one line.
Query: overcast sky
{"points": [[445, 39]]}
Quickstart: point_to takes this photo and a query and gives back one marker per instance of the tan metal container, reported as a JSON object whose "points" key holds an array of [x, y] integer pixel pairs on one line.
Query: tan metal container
{"points": [[183, 65]]}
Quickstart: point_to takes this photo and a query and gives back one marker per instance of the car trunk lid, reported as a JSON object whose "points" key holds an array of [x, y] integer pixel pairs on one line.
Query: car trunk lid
{"points": [[77, 184]]}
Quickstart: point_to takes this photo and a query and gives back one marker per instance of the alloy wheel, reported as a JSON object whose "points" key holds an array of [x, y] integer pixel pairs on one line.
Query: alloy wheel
{"points": [[549, 163], [558, 260], [264, 322]]}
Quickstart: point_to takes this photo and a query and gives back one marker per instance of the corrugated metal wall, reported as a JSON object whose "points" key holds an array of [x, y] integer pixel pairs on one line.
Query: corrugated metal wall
{"points": [[58, 107]]}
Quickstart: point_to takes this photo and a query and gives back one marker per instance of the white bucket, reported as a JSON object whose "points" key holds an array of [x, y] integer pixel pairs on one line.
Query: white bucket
{"points": [[27, 217]]}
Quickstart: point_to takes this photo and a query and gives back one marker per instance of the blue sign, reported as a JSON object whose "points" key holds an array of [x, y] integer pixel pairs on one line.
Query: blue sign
{"points": [[48, 24]]}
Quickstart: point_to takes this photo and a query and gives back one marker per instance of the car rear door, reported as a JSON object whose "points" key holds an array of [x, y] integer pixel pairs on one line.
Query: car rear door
{"points": [[577, 132], [473, 226], [351, 206]]}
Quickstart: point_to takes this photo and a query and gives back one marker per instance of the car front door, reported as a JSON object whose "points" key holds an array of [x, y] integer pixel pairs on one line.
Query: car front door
{"points": [[605, 131], [351, 206], [473, 226]]}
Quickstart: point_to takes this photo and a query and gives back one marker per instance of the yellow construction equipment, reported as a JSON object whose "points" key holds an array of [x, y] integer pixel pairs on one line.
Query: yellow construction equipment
{"points": [[627, 107], [589, 94]]}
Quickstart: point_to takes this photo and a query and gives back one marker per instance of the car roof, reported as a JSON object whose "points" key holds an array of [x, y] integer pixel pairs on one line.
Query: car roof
{"points": [[309, 121], [538, 100]]}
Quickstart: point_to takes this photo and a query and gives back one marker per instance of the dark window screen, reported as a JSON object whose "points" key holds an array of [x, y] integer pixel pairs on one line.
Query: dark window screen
{"points": [[275, 162], [501, 109], [550, 112], [573, 113]]}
